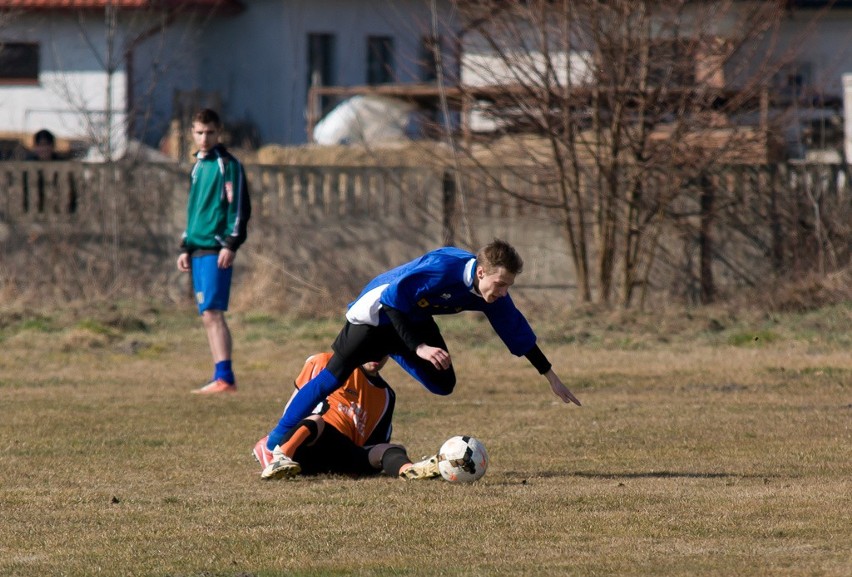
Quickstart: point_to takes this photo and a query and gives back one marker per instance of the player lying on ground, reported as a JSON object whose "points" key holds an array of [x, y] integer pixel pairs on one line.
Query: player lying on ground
{"points": [[349, 432], [394, 316]]}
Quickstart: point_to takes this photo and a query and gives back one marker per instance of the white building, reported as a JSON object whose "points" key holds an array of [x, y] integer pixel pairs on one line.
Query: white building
{"points": [[85, 69]]}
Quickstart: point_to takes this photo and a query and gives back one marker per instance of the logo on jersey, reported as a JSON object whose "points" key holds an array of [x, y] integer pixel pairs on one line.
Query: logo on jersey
{"points": [[446, 296], [423, 303], [357, 414]]}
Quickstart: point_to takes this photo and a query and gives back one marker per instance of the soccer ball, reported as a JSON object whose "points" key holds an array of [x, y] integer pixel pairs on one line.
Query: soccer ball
{"points": [[462, 459]]}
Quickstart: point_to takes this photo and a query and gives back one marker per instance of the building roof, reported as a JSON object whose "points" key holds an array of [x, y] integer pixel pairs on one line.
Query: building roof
{"points": [[45, 5]]}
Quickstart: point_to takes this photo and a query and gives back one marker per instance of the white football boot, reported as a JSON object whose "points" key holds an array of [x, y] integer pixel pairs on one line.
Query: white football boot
{"points": [[425, 469], [281, 467]]}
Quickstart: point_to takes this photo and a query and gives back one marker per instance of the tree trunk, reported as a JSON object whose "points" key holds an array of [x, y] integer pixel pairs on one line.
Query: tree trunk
{"points": [[705, 241]]}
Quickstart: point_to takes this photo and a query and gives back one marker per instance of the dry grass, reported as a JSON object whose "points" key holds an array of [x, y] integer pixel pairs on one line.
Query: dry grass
{"points": [[710, 445]]}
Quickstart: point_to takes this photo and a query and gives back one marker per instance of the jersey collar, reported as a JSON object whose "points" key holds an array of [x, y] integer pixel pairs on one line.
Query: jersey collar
{"points": [[469, 269]]}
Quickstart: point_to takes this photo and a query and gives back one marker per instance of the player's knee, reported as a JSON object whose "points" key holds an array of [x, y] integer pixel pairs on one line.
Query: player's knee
{"points": [[315, 425], [444, 386], [212, 317]]}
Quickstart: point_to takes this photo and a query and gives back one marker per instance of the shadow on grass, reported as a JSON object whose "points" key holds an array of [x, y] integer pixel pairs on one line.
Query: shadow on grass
{"points": [[636, 475], [656, 475]]}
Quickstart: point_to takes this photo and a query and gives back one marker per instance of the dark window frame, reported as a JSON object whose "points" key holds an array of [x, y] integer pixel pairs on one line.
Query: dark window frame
{"points": [[380, 60], [20, 63], [428, 60], [322, 57]]}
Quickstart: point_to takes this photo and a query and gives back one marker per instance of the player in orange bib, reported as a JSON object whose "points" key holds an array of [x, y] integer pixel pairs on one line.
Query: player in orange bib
{"points": [[349, 432]]}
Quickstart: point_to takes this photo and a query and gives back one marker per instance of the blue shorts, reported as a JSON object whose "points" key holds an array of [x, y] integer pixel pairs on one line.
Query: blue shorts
{"points": [[212, 284]]}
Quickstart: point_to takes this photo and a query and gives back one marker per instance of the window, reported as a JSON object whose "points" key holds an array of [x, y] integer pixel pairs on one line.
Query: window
{"points": [[321, 64], [428, 62], [379, 60], [18, 63]]}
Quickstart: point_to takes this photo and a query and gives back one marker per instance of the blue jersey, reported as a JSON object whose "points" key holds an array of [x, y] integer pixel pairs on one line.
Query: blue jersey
{"points": [[439, 283]]}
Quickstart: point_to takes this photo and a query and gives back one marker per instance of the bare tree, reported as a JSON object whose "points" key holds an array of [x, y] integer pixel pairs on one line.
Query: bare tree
{"points": [[113, 40], [624, 111]]}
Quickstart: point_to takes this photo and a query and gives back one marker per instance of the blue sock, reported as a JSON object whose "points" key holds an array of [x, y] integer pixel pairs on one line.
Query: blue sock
{"points": [[223, 371], [302, 404]]}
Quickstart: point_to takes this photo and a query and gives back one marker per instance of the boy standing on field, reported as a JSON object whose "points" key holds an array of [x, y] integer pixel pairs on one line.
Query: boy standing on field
{"points": [[218, 212]]}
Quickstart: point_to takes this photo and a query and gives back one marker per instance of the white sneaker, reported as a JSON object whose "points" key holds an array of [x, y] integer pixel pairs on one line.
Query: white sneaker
{"points": [[425, 469], [281, 467]]}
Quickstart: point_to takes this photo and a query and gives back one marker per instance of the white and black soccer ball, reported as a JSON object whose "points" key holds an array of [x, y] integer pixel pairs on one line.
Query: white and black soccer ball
{"points": [[462, 459]]}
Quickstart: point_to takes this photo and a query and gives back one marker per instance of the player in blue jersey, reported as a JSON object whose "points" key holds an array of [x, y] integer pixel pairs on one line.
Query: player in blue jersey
{"points": [[394, 315]]}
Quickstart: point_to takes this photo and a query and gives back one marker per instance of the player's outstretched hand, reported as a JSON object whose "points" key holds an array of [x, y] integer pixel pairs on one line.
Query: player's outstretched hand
{"points": [[559, 389]]}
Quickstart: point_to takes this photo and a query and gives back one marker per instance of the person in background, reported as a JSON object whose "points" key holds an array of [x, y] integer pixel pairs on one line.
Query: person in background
{"points": [[44, 147], [218, 212]]}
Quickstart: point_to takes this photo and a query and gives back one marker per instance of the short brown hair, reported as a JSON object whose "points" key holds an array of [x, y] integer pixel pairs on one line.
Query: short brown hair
{"points": [[500, 254], [207, 116]]}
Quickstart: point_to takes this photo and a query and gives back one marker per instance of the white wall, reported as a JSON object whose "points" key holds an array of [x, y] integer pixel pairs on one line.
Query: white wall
{"points": [[71, 97], [263, 76], [73, 86], [256, 61], [526, 69]]}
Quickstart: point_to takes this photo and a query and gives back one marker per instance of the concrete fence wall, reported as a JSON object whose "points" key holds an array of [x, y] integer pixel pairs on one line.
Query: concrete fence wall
{"points": [[71, 230]]}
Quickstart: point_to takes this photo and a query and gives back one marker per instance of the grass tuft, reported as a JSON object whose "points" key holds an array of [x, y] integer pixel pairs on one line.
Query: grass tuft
{"points": [[752, 339]]}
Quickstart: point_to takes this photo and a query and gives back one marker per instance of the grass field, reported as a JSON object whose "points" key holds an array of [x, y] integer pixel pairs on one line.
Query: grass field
{"points": [[708, 444]]}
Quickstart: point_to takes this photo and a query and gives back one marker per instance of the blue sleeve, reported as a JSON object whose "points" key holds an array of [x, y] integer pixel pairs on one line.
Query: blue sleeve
{"points": [[511, 326]]}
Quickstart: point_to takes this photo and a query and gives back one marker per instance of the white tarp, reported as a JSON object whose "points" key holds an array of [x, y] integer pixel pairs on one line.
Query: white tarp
{"points": [[364, 119]]}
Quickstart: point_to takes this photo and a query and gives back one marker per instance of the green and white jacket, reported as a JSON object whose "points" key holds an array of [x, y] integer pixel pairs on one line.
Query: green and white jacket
{"points": [[219, 208]]}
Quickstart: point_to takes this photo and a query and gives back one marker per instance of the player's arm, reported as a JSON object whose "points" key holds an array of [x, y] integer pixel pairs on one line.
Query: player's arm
{"points": [[415, 341], [406, 330], [403, 296], [183, 262], [239, 207], [536, 357], [515, 331]]}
